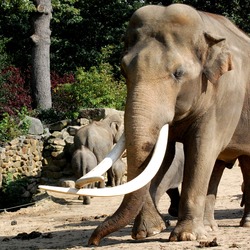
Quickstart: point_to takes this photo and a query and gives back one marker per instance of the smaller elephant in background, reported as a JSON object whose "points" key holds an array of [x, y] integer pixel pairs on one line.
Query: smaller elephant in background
{"points": [[116, 172], [83, 161], [100, 136]]}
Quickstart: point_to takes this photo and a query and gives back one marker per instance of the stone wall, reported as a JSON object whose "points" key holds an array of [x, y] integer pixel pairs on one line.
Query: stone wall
{"points": [[45, 159], [22, 157]]}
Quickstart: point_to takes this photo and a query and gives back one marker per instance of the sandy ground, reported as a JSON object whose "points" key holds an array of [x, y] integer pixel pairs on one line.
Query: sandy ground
{"points": [[62, 222]]}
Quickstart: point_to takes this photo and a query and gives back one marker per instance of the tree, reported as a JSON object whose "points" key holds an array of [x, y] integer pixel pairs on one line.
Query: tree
{"points": [[41, 85], [80, 32]]}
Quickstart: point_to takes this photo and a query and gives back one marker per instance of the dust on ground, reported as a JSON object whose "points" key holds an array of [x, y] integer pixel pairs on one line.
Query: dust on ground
{"points": [[61, 222]]}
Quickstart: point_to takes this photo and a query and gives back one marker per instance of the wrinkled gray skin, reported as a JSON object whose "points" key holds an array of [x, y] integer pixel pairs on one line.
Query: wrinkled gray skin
{"points": [[100, 136], [83, 161], [149, 221], [189, 69], [116, 172]]}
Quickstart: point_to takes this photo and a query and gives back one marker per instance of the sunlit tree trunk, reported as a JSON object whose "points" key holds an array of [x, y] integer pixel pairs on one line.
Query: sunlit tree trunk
{"points": [[41, 85]]}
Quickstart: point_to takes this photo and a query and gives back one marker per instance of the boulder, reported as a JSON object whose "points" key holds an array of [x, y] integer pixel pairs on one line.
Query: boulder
{"points": [[36, 126]]}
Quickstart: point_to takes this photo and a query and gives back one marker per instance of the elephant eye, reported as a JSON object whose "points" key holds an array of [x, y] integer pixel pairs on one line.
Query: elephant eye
{"points": [[178, 73]]}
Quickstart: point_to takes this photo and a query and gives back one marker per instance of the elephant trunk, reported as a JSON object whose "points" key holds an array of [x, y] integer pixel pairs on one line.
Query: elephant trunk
{"points": [[131, 204], [140, 142], [129, 208]]}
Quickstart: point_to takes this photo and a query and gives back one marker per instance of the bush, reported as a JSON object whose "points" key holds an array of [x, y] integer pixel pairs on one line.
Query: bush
{"points": [[16, 94], [12, 190], [95, 88], [12, 126]]}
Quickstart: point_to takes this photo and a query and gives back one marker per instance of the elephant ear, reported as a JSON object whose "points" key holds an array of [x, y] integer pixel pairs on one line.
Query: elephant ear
{"points": [[114, 121], [219, 58]]}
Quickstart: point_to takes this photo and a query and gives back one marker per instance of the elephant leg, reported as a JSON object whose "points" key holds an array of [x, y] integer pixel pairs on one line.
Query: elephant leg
{"points": [[199, 163], [148, 222], [174, 196], [245, 168], [209, 220], [110, 179], [86, 199]]}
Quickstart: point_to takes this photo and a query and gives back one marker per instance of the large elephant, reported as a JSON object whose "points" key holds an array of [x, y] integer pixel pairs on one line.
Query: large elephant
{"points": [[188, 69]]}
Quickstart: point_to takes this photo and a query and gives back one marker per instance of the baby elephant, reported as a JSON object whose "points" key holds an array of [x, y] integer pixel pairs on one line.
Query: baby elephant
{"points": [[83, 161], [116, 172]]}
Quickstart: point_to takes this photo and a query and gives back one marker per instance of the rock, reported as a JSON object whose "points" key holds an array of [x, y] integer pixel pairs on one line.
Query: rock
{"points": [[58, 126], [92, 114], [44, 155], [83, 121], [36, 126], [69, 139], [59, 142], [57, 134], [67, 183], [109, 111], [26, 194], [72, 130], [13, 223], [14, 142]]}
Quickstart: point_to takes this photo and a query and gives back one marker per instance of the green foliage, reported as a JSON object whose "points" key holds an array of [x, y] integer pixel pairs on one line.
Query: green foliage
{"points": [[13, 126], [97, 88], [12, 190], [53, 114], [79, 38], [3, 54], [66, 10], [80, 31], [94, 88], [20, 5], [81, 28]]}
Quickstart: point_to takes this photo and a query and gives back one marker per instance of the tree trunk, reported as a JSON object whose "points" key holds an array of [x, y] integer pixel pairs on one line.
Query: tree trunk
{"points": [[41, 85]]}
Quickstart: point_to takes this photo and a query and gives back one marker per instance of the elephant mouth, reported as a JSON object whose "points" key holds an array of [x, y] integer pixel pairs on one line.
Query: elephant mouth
{"points": [[96, 174]]}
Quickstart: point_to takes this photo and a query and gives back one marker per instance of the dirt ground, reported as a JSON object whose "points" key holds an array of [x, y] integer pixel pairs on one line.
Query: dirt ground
{"points": [[61, 222]]}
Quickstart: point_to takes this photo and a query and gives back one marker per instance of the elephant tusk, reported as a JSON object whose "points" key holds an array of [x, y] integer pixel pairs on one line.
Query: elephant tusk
{"points": [[90, 179], [104, 165], [131, 186]]}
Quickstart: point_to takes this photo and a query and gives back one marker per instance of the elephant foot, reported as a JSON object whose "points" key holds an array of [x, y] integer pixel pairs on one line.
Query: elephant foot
{"points": [[173, 211], [245, 222], [146, 227], [86, 200], [211, 225], [188, 232], [174, 196]]}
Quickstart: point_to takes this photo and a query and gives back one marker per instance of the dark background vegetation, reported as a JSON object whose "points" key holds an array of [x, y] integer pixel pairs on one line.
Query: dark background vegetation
{"points": [[86, 46]]}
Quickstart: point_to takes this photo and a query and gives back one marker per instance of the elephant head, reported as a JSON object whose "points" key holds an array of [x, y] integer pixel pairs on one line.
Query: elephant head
{"points": [[115, 122]]}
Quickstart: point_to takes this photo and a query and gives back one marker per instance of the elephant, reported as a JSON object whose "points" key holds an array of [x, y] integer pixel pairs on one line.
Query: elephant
{"points": [[171, 181], [116, 172], [187, 69], [99, 136], [83, 161]]}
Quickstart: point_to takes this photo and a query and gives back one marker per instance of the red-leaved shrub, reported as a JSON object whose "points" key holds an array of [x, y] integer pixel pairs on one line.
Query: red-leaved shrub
{"points": [[14, 93]]}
